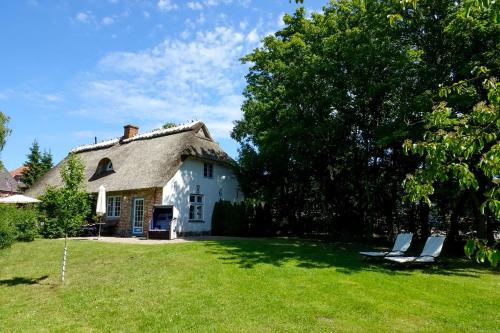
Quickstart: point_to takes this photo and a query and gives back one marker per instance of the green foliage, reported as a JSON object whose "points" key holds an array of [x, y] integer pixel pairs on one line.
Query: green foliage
{"points": [[169, 125], [241, 219], [68, 207], [17, 224], [331, 97], [229, 219], [51, 228], [7, 231], [4, 130], [461, 146], [37, 165], [26, 221], [481, 252]]}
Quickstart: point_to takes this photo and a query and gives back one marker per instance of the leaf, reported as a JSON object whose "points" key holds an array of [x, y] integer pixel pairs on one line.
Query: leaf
{"points": [[494, 257], [470, 248]]}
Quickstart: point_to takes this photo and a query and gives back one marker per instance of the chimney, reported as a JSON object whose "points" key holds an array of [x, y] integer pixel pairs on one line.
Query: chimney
{"points": [[129, 131]]}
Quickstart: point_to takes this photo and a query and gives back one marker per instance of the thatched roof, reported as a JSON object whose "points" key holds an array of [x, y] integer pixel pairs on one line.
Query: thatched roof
{"points": [[7, 183], [143, 161]]}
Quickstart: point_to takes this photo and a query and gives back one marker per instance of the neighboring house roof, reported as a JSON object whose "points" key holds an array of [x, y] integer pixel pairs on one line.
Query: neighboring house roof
{"points": [[143, 161], [18, 172], [7, 182]]}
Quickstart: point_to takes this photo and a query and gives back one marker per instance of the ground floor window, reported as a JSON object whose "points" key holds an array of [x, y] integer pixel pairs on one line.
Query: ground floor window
{"points": [[114, 206], [196, 207]]}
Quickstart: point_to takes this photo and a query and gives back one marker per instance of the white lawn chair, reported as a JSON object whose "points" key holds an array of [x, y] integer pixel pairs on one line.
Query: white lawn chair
{"points": [[432, 249], [401, 244]]}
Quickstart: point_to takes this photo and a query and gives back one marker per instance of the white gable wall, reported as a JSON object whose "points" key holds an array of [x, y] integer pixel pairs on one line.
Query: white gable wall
{"points": [[223, 185]]}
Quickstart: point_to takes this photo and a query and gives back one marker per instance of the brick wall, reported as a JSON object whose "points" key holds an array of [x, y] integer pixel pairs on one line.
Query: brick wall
{"points": [[122, 226]]}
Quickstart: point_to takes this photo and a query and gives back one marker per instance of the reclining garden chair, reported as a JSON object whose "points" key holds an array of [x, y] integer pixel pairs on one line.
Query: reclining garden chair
{"points": [[432, 250], [401, 245]]}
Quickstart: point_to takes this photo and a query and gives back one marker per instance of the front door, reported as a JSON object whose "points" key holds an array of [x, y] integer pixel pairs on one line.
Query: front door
{"points": [[138, 216]]}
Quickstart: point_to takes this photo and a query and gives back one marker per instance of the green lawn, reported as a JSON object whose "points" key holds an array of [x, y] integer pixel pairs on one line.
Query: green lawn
{"points": [[237, 286]]}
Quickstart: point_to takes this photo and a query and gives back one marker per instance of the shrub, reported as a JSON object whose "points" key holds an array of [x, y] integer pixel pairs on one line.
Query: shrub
{"points": [[17, 224], [26, 223], [51, 228], [241, 219], [7, 231]]}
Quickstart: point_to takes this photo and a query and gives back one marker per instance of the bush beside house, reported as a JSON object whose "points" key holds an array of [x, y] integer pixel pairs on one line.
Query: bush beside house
{"points": [[17, 224], [245, 219]]}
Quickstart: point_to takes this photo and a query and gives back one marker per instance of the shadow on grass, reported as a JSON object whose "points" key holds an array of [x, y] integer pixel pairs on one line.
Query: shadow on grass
{"points": [[343, 257], [21, 280]]}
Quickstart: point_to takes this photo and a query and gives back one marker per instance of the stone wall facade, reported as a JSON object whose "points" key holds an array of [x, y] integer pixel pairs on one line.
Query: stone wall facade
{"points": [[122, 225]]}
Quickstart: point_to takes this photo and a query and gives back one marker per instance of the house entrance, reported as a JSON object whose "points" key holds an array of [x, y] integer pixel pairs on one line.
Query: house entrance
{"points": [[138, 216]]}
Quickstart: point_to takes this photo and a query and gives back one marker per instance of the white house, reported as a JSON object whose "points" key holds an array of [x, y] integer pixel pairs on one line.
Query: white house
{"points": [[159, 184]]}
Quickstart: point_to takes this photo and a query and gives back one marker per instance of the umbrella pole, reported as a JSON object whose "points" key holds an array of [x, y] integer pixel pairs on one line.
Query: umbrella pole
{"points": [[99, 235]]}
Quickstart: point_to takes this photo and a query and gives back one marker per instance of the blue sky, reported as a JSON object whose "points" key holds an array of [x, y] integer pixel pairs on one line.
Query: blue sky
{"points": [[75, 70]]}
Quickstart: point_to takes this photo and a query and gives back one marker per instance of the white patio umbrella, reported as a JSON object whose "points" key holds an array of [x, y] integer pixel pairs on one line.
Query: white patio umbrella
{"points": [[19, 199], [101, 204]]}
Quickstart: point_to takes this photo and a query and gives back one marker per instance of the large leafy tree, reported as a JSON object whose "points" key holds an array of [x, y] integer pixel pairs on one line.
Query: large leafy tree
{"points": [[464, 148], [331, 97], [37, 165], [461, 147]]}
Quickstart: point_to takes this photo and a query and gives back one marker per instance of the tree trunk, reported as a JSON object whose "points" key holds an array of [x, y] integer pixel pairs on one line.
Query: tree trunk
{"points": [[479, 218], [424, 211], [454, 216]]}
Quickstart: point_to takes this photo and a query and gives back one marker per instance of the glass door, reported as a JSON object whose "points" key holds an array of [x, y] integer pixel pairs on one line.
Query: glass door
{"points": [[138, 216]]}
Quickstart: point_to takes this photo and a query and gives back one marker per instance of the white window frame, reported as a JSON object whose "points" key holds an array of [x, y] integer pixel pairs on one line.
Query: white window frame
{"points": [[138, 219], [197, 204], [113, 212], [208, 170]]}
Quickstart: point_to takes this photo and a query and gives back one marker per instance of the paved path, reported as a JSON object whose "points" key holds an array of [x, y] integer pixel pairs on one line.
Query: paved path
{"points": [[137, 240]]}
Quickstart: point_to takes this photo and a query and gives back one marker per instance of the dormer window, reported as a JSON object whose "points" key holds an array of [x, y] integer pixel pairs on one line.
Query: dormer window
{"points": [[104, 168]]}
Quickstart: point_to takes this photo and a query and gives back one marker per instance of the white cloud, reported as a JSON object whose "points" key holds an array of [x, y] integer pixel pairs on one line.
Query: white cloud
{"points": [[107, 20], [146, 14], [83, 17], [177, 80], [51, 98], [279, 21], [166, 5], [209, 3], [243, 24], [253, 36], [195, 5]]}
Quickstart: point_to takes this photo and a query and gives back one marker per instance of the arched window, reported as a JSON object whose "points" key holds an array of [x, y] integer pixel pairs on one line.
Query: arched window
{"points": [[105, 166]]}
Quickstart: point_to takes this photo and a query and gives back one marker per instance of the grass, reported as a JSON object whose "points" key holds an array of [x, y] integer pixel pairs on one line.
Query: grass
{"points": [[271, 285]]}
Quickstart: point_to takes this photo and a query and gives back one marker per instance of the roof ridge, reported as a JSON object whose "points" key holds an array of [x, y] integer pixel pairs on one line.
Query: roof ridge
{"points": [[164, 131], [148, 135]]}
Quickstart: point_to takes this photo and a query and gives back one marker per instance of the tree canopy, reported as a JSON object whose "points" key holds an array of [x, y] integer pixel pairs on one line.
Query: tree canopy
{"points": [[331, 98], [37, 165], [69, 206]]}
